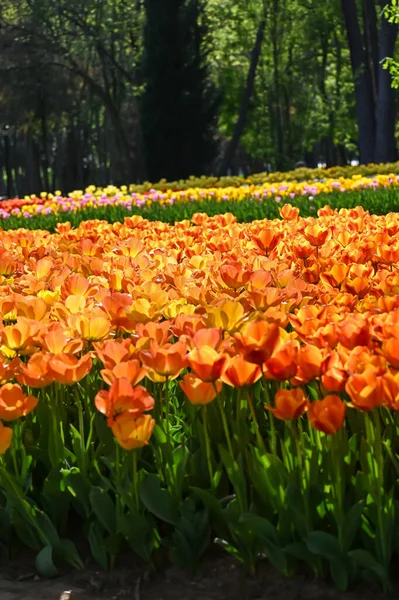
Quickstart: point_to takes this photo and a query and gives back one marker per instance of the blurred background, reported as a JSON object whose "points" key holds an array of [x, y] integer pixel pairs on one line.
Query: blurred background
{"points": [[124, 91]]}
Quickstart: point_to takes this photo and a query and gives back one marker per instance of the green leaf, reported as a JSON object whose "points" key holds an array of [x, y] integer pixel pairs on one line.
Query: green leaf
{"points": [[368, 562], [96, 541], [47, 527], [158, 500], [351, 525], [215, 509], [159, 434], [236, 475], [339, 574], [324, 544], [300, 551], [66, 551], [79, 487], [44, 563], [262, 526], [104, 508], [267, 534], [140, 534]]}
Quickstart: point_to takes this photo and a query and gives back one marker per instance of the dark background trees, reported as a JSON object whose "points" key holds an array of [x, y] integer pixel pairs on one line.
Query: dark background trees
{"points": [[121, 91]]}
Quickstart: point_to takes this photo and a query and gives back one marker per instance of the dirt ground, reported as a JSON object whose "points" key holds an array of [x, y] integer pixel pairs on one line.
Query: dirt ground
{"points": [[220, 579]]}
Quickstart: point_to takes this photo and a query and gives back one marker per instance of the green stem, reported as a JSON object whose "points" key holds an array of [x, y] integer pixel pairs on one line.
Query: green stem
{"points": [[336, 465], [225, 426], [302, 475], [259, 439], [271, 419], [167, 416], [83, 466], [207, 444], [118, 484], [135, 481], [376, 469]]}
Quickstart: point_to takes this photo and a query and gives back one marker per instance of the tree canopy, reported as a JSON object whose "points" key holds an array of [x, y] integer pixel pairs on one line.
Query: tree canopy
{"points": [[130, 90]]}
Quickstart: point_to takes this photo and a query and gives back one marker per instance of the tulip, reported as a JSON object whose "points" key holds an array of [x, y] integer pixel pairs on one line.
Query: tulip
{"points": [[289, 404], [289, 213], [5, 438], [68, 369], [123, 397], [327, 415], [198, 391], [207, 363], [240, 372], [35, 373], [132, 433], [168, 360], [130, 369], [365, 390], [112, 352], [257, 340], [283, 364], [14, 403]]}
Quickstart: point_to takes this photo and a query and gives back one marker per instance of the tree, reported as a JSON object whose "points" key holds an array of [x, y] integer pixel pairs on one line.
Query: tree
{"points": [[375, 98], [247, 92], [179, 103]]}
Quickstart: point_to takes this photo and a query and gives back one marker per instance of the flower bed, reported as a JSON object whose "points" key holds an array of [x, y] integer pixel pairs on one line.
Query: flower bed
{"points": [[165, 387], [248, 203]]}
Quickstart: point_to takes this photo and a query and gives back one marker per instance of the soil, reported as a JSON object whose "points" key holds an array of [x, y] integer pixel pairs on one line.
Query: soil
{"points": [[220, 579]]}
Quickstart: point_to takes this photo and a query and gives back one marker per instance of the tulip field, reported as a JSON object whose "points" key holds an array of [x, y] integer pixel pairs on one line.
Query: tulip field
{"points": [[166, 388]]}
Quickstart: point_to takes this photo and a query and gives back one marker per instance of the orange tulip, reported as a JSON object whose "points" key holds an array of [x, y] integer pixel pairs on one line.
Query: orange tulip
{"points": [[353, 331], [335, 276], [207, 363], [67, 369], [131, 370], [327, 415], [334, 375], [35, 373], [7, 371], [309, 361], [234, 275], [289, 213], [390, 349], [132, 433], [123, 397], [92, 329], [240, 372], [56, 341], [302, 248], [168, 360], [208, 337], [5, 438], [112, 353], [289, 404], [316, 235], [14, 403], [257, 340], [160, 332], [283, 364], [365, 390], [198, 391], [19, 336]]}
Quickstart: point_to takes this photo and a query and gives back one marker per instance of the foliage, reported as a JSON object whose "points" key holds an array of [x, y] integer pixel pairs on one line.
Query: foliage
{"points": [[75, 82], [392, 13]]}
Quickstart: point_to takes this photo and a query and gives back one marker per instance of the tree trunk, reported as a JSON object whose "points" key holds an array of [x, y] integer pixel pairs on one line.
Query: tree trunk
{"points": [[245, 101], [7, 160], [363, 83], [385, 147]]}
